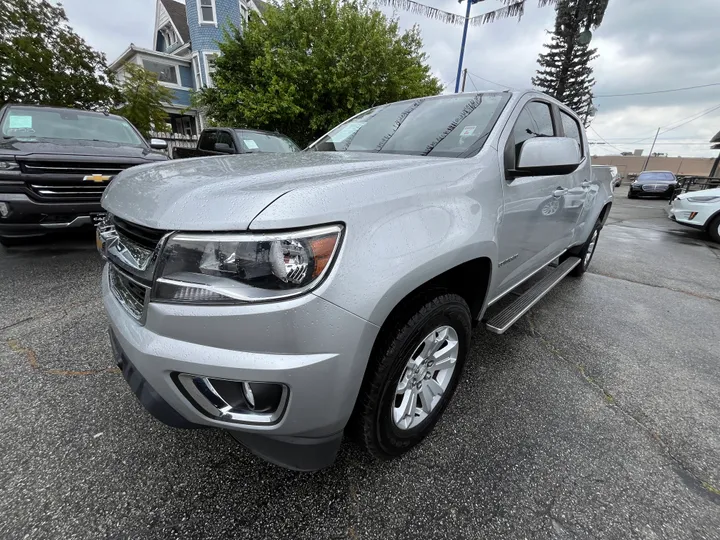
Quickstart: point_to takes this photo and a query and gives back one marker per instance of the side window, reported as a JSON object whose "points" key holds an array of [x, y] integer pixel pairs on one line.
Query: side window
{"points": [[225, 138], [535, 120], [208, 140], [572, 130]]}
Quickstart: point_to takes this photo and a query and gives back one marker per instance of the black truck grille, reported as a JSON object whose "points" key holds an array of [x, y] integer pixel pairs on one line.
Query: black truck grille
{"points": [[73, 167], [69, 181], [75, 191]]}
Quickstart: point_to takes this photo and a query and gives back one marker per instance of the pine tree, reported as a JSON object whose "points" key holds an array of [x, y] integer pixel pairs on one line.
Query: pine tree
{"points": [[565, 71]]}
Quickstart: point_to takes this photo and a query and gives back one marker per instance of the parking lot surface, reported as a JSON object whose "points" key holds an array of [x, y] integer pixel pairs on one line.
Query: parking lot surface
{"points": [[596, 416]]}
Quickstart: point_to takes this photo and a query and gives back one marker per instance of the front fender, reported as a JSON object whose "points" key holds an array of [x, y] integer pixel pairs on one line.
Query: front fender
{"points": [[400, 230]]}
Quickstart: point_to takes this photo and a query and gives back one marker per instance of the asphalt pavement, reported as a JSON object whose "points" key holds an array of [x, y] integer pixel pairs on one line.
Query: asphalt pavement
{"points": [[596, 416]]}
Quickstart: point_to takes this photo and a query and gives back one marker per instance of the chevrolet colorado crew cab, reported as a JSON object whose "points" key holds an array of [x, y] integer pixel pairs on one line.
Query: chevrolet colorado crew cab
{"points": [[292, 298], [55, 164]]}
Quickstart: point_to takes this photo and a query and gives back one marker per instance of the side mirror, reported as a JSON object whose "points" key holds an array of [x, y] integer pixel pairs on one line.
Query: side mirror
{"points": [[223, 148], [548, 156], [158, 144]]}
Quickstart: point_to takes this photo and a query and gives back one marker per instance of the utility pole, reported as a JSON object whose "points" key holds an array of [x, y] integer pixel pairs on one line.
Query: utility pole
{"points": [[462, 45], [464, 79], [647, 161]]}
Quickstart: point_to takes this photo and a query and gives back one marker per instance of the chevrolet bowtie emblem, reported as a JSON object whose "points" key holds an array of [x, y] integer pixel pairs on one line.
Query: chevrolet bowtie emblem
{"points": [[97, 178]]}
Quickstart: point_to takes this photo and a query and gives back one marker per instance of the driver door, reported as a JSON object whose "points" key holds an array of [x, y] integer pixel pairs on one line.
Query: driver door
{"points": [[534, 226]]}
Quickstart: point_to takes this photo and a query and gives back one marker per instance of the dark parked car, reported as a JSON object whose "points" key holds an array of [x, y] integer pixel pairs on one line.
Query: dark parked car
{"points": [[55, 164], [654, 184], [219, 141]]}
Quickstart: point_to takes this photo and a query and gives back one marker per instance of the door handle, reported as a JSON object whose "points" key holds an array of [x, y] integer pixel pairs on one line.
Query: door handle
{"points": [[585, 184], [559, 192]]}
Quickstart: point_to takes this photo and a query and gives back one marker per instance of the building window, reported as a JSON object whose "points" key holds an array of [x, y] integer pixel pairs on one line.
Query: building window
{"points": [[210, 59], [166, 73], [243, 11], [207, 11], [169, 36], [196, 70]]}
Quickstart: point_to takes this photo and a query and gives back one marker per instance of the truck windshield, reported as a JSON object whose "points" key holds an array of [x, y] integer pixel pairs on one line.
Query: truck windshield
{"points": [[253, 141], [31, 122], [442, 127]]}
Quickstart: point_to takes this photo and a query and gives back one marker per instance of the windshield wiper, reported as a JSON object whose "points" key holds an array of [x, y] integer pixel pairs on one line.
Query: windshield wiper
{"points": [[396, 125], [473, 104]]}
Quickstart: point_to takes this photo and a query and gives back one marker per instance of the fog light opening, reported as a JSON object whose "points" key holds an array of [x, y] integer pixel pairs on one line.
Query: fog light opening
{"points": [[4, 209], [235, 401], [249, 397]]}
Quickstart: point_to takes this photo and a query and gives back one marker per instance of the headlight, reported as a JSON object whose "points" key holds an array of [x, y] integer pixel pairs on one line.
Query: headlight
{"points": [[9, 165], [704, 198], [239, 268]]}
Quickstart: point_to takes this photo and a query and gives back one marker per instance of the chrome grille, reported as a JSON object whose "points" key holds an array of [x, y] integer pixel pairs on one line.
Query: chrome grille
{"points": [[73, 167], [85, 192], [138, 234], [655, 188], [131, 294]]}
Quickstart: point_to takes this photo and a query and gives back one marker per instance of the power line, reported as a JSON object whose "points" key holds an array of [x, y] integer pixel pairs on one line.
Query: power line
{"points": [[472, 82], [683, 121], [600, 136], [692, 120], [658, 91], [491, 82]]}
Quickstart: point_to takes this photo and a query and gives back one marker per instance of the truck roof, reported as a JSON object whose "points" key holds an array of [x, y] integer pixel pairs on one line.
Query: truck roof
{"points": [[53, 108]]}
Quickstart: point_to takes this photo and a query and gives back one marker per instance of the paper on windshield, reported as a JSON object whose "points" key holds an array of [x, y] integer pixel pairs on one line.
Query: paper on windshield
{"points": [[347, 130], [250, 144], [468, 130], [20, 122]]}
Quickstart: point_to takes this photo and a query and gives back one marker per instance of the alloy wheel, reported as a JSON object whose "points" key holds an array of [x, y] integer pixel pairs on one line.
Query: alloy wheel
{"points": [[425, 378]]}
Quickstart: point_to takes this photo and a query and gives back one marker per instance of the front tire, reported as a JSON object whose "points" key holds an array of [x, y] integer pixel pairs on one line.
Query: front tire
{"points": [[714, 230], [412, 375]]}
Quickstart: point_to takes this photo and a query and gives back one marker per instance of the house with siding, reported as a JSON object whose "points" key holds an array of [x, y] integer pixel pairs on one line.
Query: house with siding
{"points": [[184, 50]]}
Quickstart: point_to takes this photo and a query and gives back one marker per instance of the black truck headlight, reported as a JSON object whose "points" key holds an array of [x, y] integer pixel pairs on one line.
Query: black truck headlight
{"points": [[240, 268], [8, 164]]}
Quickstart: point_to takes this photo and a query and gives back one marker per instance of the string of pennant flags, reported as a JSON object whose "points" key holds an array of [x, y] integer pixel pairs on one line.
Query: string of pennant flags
{"points": [[512, 8]]}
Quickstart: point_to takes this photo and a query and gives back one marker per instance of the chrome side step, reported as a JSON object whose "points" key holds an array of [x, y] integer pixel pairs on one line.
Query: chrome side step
{"points": [[500, 323]]}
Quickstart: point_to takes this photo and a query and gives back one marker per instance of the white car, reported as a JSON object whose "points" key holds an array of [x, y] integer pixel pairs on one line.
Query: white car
{"points": [[698, 209]]}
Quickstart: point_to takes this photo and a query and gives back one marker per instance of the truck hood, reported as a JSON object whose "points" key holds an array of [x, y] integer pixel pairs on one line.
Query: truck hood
{"points": [[61, 147], [225, 193]]}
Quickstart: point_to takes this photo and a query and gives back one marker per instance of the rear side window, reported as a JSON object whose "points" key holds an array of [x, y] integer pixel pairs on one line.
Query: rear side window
{"points": [[572, 130], [535, 120], [208, 140]]}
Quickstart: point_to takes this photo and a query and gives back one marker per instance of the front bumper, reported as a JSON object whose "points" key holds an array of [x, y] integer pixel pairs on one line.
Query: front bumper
{"points": [[639, 192], [692, 214], [315, 348], [31, 218]]}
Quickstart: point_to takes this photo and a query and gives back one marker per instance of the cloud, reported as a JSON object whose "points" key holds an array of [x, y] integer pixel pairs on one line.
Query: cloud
{"points": [[644, 45]]}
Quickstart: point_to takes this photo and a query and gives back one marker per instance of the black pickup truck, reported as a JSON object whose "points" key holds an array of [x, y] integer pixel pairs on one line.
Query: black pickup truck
{"points": [[55, 164], [218, 141]]}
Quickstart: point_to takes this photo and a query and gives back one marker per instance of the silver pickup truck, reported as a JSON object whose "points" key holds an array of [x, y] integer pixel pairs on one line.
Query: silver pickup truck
{"points": [[294, 298]]}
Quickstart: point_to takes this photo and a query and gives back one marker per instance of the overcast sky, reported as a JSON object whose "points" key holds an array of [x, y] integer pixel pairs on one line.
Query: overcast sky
{"points": [[644, 45]]}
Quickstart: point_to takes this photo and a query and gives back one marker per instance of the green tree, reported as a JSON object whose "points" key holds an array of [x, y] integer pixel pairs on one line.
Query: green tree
{"points": [[43, 61], [310, 64], [142, 99], [566, 73]]}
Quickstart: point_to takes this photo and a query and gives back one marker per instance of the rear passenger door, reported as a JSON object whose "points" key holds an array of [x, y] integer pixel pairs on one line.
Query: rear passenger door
{"points": [[583, 190], [534, 226]]}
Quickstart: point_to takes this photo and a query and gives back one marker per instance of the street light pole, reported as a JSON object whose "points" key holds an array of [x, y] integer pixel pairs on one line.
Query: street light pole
{"points": [[462, 45]]}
